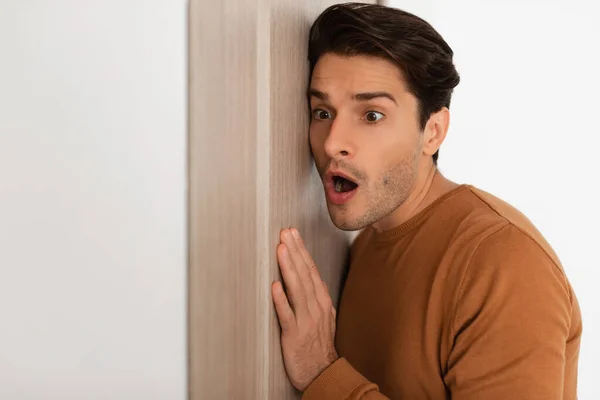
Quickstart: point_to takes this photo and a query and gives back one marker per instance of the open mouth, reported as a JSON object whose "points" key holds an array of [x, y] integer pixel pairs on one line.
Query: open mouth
{"points": [[343, 185]]}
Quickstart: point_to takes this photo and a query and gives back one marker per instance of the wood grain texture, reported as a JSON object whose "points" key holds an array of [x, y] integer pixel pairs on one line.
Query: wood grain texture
{"points": [[297, 197], [250, 175]]}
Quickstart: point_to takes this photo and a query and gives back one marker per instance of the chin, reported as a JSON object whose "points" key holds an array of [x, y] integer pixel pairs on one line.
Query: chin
{"points": [[343, 222], [347, 228]]}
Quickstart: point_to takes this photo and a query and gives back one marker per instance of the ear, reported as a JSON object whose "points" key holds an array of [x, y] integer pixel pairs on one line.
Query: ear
{"points": [[435, 131]]}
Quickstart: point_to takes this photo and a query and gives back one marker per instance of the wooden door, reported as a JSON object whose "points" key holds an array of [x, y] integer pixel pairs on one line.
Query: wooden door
{"points": [[250, 174]]}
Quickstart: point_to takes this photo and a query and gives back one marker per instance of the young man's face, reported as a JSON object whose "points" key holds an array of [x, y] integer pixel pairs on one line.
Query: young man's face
{"points": [[364, 126]]}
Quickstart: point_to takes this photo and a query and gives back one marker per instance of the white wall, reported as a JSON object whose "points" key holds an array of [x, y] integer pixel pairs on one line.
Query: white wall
{"points": [[525, 126], [92, 199]]}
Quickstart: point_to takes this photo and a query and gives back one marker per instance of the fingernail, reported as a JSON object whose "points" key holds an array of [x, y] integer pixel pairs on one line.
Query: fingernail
{"points": [[295, 233], [277, 286]]}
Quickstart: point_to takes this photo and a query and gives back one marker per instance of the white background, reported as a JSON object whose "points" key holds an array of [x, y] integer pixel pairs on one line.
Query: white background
{"points": [[92, 200], [92, 175], [525, 127]]}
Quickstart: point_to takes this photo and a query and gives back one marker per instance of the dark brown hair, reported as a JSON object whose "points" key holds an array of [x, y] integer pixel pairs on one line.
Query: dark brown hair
{"points": [[420, 52]]}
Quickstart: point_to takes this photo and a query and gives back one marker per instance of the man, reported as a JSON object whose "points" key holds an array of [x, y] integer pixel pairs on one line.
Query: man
{"points": [[451, 292]]}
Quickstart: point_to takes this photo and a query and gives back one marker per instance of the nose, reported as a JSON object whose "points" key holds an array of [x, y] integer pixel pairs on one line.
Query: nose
{"points": [[338, 144]]}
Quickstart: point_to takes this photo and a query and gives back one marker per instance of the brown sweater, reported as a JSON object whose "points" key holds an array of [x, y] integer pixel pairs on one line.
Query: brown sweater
{"points": [[466, 300]]}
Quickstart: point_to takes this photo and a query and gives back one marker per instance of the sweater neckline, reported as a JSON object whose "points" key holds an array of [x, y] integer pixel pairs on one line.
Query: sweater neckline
{"points": [[413, 221]]}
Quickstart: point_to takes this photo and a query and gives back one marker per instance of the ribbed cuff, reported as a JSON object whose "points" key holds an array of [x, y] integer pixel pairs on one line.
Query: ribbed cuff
{"points": [[338, 382]]}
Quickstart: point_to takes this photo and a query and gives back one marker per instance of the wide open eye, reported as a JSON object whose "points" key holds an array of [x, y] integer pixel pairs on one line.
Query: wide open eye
{"points": [[373, 117], [321, 114]]}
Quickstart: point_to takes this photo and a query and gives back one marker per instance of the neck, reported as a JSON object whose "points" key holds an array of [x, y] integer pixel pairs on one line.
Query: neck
{"points": [[429, 186]]}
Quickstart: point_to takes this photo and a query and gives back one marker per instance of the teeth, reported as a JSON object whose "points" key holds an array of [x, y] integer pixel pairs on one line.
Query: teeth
{"points": [[338, 185]]}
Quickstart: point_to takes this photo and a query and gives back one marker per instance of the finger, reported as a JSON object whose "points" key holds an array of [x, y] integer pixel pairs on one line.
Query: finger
{"points": [[302, 268], [334, 312], [328, 303], [295, 289], [320, 288], [285, 314], [333, 320]]}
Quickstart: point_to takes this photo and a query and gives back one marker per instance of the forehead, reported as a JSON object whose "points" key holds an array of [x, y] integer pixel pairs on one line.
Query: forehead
{"points": [[335, 73]]}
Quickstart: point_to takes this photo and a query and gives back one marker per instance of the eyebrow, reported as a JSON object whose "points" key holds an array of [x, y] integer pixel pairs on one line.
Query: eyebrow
{"points": [[317, 93], [358, 96], [373, 95]]}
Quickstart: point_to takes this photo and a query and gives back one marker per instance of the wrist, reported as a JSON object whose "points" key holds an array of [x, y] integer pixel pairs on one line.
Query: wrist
{"points": [[332, 357]]}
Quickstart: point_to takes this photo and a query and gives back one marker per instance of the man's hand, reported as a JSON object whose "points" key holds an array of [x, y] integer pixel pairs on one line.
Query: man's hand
{"points": [[306, 314]]}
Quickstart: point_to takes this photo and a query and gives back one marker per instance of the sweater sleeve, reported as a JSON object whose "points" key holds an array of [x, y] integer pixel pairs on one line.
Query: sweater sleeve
{"points": [[512, 324], [342, 382]]}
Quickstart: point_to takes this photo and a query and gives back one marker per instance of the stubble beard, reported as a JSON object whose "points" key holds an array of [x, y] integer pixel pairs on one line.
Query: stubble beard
{"points": [[388, 192]]}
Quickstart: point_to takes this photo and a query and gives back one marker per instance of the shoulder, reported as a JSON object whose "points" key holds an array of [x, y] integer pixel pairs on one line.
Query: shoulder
{"points": [[479, 218], [512, 284], [506, 262], [512, 252], [523, 230], [511, 247]]}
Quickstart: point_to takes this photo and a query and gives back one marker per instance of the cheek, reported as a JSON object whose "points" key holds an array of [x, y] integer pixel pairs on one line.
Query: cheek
{"points": [[384, 160], [317, 142]]}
